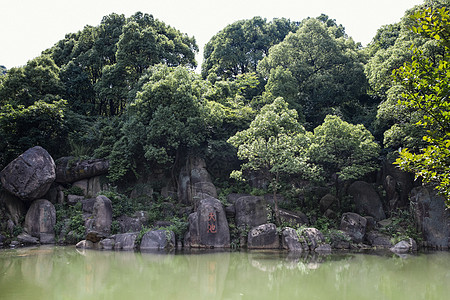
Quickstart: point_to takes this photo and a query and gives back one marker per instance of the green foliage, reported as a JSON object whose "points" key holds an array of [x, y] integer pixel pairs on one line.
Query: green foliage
{"points": [[70, 219], [74, 190], [314, 71], [40, 124], [121, 204], [426, 90], [402, 227], [340, 148]]}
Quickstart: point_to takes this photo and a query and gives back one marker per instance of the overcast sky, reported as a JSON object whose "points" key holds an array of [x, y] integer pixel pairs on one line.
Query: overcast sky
{"points": [[28, 27]]}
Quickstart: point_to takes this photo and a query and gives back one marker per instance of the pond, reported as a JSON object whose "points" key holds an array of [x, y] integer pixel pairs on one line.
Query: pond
{"points": [[67, 273]]}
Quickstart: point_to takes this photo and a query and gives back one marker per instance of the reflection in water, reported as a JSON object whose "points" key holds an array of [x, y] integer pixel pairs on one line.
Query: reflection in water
{"points": [[67, 273]]}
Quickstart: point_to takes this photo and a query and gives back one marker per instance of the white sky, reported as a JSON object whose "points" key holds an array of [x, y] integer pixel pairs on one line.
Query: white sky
{"points": [[27, 27]]}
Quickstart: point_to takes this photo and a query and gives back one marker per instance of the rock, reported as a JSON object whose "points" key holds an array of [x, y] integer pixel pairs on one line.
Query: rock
{"points": [[208, 227], [125, 241], [15, 208], [88, 205], [405, 246], [404, 182], [107, 244], [84, 244], [131, 224], [74, 199], [194, 180], [327, 202], [367, 200], [71, 169], [314, 239], [14, 244], [27, 239], [30, 175], [101, 216], [392, 197], [142, 190], [40, 221], [354, 225], [158, 240], [232, 198], [431, 216], [251, 211], [264, 236], [94, 236], [294, 219], [290, 240], [56, 194], [340, 240], [379, 240], [230, 211], [91, 186]]}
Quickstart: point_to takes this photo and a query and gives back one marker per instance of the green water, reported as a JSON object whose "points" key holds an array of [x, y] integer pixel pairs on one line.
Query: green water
{"points": [[66, 273]]}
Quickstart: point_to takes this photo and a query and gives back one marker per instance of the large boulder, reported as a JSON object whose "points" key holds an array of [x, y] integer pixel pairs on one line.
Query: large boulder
{"points": [[367, 200], [30, 175], [431, 216], [354, 225], [328, 202], [158, 240], [290, 240], [251, 211], [294, 219], [378, 240], [315, 240], [90, 186], [71, 169], [404, 246], [264, 236], [100, 223], [208, 226], [125, 241], [40, 221]]}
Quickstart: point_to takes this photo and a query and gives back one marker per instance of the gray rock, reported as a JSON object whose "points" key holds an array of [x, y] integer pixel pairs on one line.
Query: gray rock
{"points": [[131, 224], [101, 216], [366, 200], [208, 227], [55, 194], [71, 169], [107, 244], [27, 239], [290, 240], [405, 246], [88, 205], [354, 225], [232, 198], [264, 236], [193, 181], [294, 219], [328, 202], [30, 175], [40, 221], [84, 244], [158, 240], [74, 199], [314, 239], [251, 211], [91, 186], [125, 241], [392, 197], [379, 240], [431, 216]]}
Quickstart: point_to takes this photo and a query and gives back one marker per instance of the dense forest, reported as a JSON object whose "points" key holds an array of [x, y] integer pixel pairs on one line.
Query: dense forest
{"points": [[290, 101]]}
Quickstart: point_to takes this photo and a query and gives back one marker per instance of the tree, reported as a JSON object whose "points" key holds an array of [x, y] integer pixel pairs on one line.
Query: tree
{"points": [[426, 89], [275, 144], [314, 71], [163, 124], [340, 148], [239, 47]]}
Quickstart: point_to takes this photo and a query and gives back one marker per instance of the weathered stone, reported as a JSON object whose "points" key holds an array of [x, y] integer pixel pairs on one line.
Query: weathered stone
{"points": [[378, 240], [354, 225], [315, 240], [327, 202], [15, 208], [251, 211], [431, 216], [142, 190], [208, 227], [404, 182], [230, 211], [392, 197], [84, 244], [294, 219], [71, 169], [264, 236], [27, 239], [30, 175], [340, 240], [290, 240], [366, 200], [232, 198], [94, 236], [158, 240], [74, 199], [55, 194], [90, 186], [131, 224], [40, 221], [88, 205], [405, 246], [125, 241], [207, 188], [101, 216], [107, 244]]}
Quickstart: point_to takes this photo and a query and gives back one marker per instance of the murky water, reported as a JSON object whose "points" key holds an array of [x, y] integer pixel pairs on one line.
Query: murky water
{"points": [[66, 273]]}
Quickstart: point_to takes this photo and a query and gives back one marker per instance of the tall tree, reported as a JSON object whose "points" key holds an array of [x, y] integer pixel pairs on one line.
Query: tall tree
{"points": [[314, 71], [426, 89], [275, 144]]}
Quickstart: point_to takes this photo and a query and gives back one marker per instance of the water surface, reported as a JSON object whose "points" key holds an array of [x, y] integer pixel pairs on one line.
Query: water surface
{"points": [[67, 273]]}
